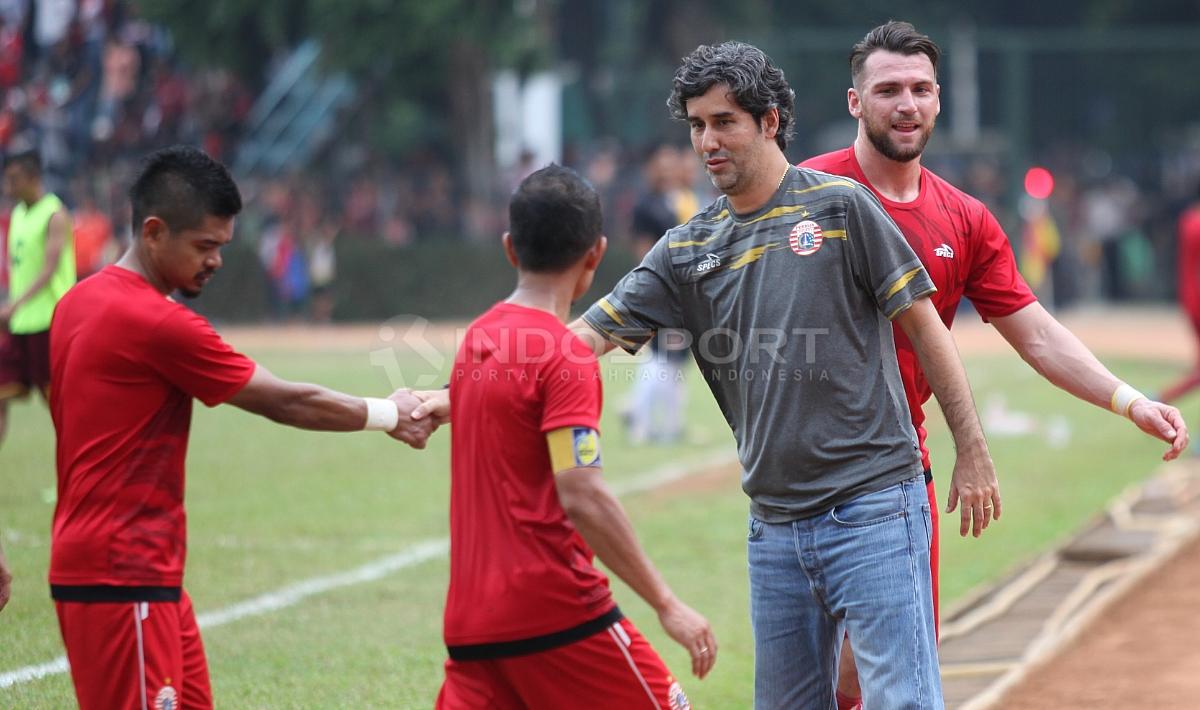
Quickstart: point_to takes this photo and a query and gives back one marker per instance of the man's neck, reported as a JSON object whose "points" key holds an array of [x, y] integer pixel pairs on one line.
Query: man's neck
{"points": [[899, 182], [544, 292], [34, 197], [766, 183], [132, 261]]}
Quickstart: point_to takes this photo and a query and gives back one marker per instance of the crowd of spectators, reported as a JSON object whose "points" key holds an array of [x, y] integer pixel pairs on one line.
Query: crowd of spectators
{"points": [[94, 86]]}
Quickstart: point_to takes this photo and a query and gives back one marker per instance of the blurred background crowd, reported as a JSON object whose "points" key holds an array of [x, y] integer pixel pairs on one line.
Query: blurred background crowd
{"points": [[376, 143]]}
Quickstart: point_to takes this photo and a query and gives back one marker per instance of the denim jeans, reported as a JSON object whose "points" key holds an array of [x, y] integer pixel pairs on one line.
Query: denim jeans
{"points": [[862, 567]]}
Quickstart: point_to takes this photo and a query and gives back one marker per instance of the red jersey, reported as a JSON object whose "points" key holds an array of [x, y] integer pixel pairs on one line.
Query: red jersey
{"points": [[518, 567], [125, 363], [1189, 260], [962, 247]]}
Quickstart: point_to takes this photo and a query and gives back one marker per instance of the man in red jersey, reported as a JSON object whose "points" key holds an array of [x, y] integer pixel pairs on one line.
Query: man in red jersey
{"points": [[895, 97], [529, 621], [126, 362], [1189, 293]]}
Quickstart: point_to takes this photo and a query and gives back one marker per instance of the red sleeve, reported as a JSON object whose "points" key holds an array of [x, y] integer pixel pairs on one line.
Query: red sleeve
{"points": [[994, 284], [189, 354], [572, 394]]}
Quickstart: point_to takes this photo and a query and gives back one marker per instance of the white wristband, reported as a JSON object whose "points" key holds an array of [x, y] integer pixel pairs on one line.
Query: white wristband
{"points": [[382, 414], [1123, 399]]}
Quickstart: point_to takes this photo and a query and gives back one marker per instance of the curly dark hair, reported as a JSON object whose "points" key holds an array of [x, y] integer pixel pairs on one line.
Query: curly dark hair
{"points": [[757, 85], [892, 36]]}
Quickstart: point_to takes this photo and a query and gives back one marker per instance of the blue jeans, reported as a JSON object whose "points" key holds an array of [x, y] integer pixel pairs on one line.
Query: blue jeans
{"points": [[862, 567]]}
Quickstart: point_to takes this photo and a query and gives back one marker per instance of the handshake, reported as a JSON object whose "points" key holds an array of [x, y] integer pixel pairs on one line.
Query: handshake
{"points": [[420, 412]]}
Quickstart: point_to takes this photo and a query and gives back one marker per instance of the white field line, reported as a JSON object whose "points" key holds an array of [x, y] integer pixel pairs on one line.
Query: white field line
{"points": [[378, 569]]}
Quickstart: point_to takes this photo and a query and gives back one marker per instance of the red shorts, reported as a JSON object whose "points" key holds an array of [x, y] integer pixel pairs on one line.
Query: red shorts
{"points": [[24, 363], [934, 554], [615, 668], [135, 655]]}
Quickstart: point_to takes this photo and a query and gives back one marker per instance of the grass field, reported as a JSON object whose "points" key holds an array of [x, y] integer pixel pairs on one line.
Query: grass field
{"points": [[270, 506]]}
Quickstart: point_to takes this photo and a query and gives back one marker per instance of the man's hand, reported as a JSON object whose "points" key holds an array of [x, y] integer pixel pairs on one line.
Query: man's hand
{"points": [[1161, 421], [412, 432], [692, 631], [975, 487], [434, 404]]}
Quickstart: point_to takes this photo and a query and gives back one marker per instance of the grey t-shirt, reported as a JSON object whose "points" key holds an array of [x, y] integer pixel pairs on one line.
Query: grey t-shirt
{"points": [[789, 311]]}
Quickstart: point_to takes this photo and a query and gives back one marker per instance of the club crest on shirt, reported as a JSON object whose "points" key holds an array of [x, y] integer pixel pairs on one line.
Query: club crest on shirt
{"points": [[167, 699], [945, 251], [806, 237], [679, 699], [586, 446]]}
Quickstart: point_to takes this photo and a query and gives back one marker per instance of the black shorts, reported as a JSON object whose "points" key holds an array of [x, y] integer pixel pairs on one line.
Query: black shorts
{"points": [[24, 363]]}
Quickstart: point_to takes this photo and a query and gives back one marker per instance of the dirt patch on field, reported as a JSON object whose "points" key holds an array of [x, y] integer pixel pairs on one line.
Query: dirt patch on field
{"points": [[1158, 333], [1141, 654], [722, 478], [1154, 333]]}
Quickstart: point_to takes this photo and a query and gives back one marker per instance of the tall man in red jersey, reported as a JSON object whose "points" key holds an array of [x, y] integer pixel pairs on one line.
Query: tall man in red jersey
{"points": [[126, 362], [895, 97], [530, 622], [1189, 293]]}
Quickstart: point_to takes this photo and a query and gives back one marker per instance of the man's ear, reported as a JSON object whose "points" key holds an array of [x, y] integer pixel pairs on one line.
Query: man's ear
{"points": [[596, 253], [769, 123], [853, 102], [154, 229], [510, 251]]}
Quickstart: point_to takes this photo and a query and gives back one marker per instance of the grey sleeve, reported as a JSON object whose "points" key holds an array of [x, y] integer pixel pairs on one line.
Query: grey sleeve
{"points": [[643, 301], [884, 263]]}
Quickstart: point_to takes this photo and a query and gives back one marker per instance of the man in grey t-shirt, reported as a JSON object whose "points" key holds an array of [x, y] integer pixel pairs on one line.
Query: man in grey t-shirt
{"points": [[787, 285]]}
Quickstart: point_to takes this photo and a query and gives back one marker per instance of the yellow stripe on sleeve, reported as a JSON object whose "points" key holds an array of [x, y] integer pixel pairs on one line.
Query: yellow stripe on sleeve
{"points": [[612, 312], [902, 282], [822, 186]]}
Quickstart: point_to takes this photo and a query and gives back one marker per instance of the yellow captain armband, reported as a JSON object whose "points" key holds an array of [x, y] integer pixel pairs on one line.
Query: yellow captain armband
{"points": [[573, 447]]}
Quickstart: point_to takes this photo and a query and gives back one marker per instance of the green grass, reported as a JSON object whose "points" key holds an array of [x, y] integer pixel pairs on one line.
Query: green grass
{"points": [[269, 506]]}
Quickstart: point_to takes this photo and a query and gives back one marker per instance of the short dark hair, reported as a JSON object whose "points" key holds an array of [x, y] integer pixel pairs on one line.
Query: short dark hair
{"points": [[28, 160], [756, 83], [182, 185], [554, 218], [892, 36]]}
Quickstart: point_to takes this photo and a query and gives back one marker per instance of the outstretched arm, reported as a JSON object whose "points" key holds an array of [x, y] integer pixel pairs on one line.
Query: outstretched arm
{"points": [[1066, 362], [308, 406], [974, 481], [600, 519]]}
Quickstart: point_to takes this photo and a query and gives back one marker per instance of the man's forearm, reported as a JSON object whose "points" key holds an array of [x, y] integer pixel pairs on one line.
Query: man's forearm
{"points": [[944, 371], [599, 344], [602, 522], [946, 377], [320, 409], [301, 405], [1057, 355]]}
